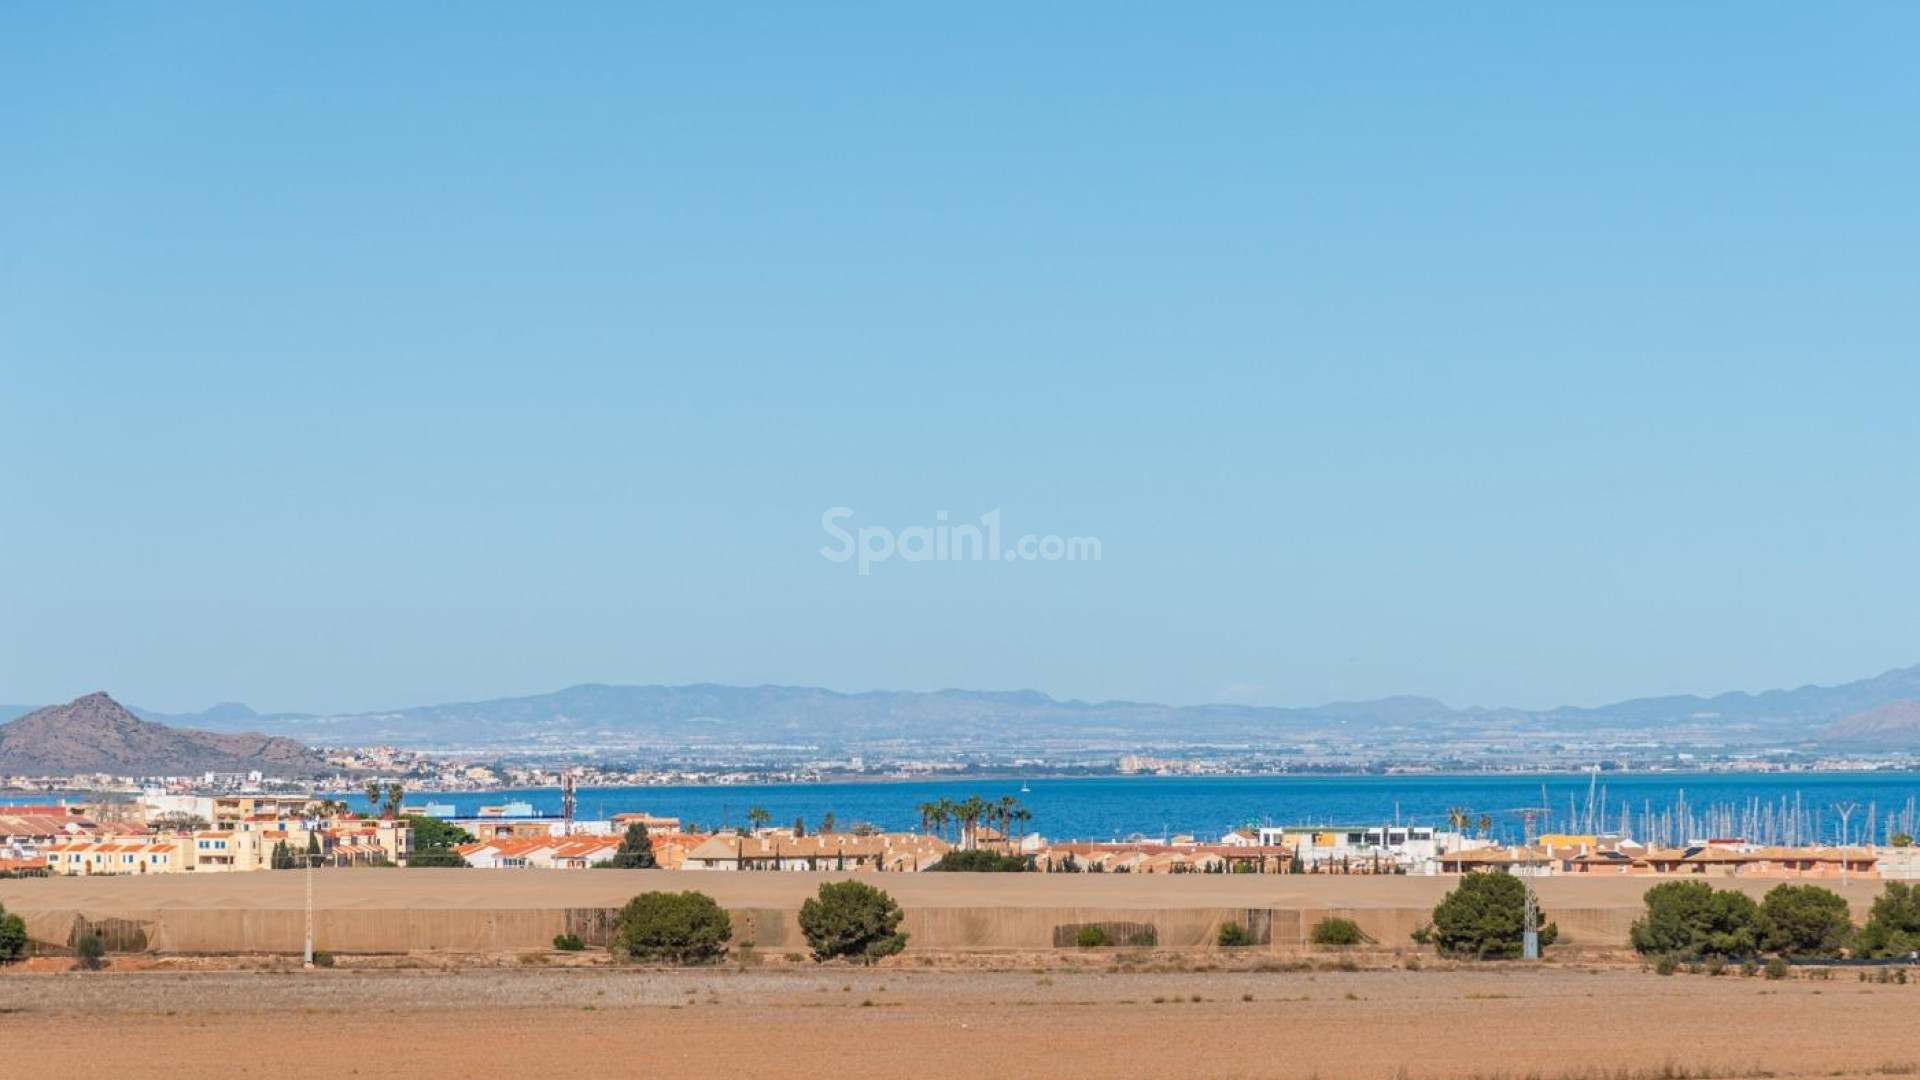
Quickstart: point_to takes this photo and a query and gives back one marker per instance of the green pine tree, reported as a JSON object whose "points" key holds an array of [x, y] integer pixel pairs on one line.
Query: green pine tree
{"points": [[636, 850]]}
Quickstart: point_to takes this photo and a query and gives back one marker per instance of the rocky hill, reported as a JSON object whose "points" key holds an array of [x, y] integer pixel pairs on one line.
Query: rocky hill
{"points": [[1895, 725], [96, 734]]}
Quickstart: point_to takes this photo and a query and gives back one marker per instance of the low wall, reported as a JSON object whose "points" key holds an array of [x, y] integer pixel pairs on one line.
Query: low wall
{"points": [[479, 911]]}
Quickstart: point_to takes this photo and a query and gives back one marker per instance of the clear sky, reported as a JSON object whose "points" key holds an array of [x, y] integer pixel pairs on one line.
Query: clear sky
{"points": [[366, 355]]}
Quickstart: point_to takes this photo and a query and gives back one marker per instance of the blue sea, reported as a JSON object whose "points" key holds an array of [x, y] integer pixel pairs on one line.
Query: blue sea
{"points": [[1107, 808], [1121, 807]]}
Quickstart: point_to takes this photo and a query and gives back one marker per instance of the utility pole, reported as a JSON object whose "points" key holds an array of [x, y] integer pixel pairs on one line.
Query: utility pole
{"points": [[307, 955]]}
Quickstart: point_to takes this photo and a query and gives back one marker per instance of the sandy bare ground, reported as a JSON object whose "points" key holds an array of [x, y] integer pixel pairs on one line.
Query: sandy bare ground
{"points": [[1553, 1022]]}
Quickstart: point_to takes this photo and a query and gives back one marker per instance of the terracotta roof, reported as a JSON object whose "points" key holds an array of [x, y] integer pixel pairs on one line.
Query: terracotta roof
{"points": [[818, 846]]}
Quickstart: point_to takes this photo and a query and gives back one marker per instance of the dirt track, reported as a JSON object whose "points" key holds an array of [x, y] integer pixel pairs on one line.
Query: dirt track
{"points": [[889, 1023]]}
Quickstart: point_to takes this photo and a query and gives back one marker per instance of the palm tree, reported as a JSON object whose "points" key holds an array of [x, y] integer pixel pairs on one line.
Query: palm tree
{"points": [[1486, 825], [375, 791], [1006, 808], [1023, 816], [971, 811], [758, 817], [948, 813], [395, 795]]}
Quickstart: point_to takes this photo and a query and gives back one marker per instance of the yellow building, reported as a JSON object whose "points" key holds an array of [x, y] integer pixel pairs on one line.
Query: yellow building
{"points": [[248, 845]]}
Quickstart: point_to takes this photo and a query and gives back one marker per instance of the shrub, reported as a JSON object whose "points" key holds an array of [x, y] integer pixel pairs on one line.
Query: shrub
{"points": [[1777, 969], [982, 862], [1803, 920], [89, 953], [322, 958], [1233, 935], [1144, 938], [854, 920], [1666, 965], [1715, 966], [570, 942], [1691, 920], [1485, 917], [1334, 931], [1893, 924], [680, 928], [1901, 839], [13, 936], [1092, 937]]}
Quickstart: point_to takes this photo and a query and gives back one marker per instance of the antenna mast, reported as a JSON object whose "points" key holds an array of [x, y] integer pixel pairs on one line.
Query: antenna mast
{"points": [[1530, 928]]}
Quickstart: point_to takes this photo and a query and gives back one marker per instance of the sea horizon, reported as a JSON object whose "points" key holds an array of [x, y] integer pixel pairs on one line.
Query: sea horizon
{"points": [[1111, 807]]}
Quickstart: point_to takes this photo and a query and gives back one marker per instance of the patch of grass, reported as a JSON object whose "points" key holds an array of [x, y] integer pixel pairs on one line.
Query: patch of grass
{"points": [[1666, 1071]]}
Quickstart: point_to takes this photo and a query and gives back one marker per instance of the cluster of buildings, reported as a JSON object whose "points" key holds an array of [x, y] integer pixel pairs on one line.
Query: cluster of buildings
{"points": [[176, 834], [163, 833], [1603, 855], [507, 839]]}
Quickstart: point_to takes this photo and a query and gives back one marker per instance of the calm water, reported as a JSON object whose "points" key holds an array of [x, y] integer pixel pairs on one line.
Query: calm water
{"points": [[1107, 808]]}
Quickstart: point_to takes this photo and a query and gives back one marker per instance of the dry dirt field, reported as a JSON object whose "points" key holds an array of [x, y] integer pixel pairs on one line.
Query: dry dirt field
{"points": [[1549, 1022]]}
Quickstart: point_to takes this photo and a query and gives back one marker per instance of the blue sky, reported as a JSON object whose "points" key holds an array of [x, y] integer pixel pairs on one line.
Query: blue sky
{"points": [[355, 357]]}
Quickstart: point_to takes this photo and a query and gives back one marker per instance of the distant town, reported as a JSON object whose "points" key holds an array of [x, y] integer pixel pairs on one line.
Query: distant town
{"points": [[456, 772]]}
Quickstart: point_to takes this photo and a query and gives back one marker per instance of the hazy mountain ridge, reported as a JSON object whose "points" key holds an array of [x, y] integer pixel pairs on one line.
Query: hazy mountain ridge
{"points": [[706, 714]]}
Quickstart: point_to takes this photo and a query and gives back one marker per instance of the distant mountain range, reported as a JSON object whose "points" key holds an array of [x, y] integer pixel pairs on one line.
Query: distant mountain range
{"points": [[1878, 713], [96, 734]]}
